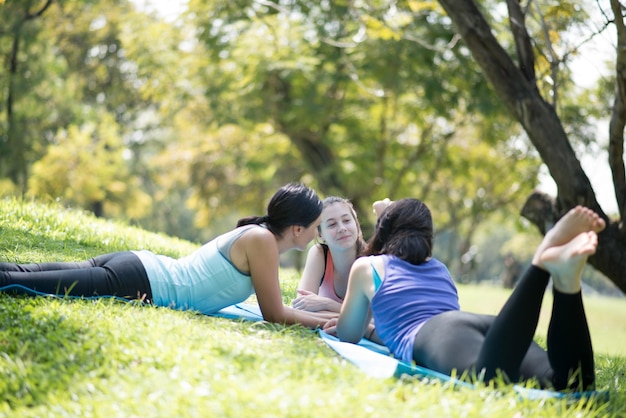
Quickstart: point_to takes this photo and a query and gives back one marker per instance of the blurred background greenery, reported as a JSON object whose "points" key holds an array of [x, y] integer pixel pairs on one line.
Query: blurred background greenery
{"points": [[182, 124]]}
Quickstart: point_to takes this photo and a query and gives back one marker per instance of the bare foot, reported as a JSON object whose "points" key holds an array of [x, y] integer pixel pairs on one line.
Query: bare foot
{"points": [[577, 220], [566, 262]]}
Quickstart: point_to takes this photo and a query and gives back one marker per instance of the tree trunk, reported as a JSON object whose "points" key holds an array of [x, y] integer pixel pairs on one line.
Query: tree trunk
{"points": [[618, 116], [545, 131]]}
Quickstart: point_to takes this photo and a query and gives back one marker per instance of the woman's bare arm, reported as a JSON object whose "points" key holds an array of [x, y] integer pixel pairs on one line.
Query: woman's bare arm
{"points": [[263, 260], [354, 319]]}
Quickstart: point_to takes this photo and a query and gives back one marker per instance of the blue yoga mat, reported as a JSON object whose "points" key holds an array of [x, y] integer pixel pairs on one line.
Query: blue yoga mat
{"points": [[246, 311], [376, 360]]}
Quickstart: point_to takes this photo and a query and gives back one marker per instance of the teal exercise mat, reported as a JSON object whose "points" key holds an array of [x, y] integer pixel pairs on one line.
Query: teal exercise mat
{"points": [[245, 311], [376, 360]]}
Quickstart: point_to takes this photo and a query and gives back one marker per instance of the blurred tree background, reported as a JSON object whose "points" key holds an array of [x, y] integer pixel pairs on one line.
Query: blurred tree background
{"points": [[184, 125]]}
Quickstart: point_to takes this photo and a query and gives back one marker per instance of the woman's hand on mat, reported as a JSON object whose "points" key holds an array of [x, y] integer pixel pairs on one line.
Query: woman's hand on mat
{"points": [[309, 301], [330, 327]]}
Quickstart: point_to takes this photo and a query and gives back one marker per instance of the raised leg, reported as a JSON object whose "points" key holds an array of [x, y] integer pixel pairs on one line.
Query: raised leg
{"points": [[569, 343], [563, 253]]}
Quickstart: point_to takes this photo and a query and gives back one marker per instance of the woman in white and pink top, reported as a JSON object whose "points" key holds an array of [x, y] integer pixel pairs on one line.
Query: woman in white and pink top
{"points": [[325, 277]]}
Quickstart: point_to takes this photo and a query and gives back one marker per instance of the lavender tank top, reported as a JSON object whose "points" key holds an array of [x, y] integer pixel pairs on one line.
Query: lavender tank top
{"points": [[408, 296]]}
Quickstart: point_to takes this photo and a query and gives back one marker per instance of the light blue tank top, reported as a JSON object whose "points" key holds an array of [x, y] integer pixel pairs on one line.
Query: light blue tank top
{"points": [[406, 298], [204, 281]]}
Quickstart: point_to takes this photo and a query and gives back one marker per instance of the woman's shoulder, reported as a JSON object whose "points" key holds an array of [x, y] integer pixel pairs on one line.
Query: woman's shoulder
{"points": [[365, 263], [361, 261], [315, 256], [435, 262], [255, 232], [318, 249], [255, 244], [249, 235], [361, 271]]}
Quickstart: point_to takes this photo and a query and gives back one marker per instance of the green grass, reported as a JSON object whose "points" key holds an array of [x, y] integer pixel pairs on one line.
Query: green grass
{"points": [[105, 358]]}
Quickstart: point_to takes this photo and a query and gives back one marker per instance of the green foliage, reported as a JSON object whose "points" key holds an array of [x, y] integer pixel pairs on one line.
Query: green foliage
{"points": [[86, 168], [369, 94], [191, 123], [68, 357]]}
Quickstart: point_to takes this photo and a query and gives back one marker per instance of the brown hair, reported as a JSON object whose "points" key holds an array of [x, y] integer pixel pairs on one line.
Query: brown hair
{"points": [[330, 200], [404, 229]]}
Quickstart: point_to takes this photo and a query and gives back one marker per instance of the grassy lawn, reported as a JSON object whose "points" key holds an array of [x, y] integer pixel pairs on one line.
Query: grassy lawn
{"points": [[105, 358]]}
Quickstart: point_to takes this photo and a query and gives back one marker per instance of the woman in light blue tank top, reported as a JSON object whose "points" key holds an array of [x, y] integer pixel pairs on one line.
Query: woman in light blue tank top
{"points": [[225, 271], [415, 308]]}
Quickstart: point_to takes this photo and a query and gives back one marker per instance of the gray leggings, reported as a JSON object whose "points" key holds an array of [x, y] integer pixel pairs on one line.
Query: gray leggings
{"points": [[473, 343], [118, 274]]}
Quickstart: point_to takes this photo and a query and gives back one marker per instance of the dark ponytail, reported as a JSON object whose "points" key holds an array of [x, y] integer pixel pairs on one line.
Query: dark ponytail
{"points": [[404, 229], [293, 204]]}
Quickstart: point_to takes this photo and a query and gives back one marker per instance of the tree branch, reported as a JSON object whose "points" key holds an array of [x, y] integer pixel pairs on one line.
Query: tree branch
{"points": [[34, 15], [524, 101], [554, 61], [523, 44], [546, 132]]}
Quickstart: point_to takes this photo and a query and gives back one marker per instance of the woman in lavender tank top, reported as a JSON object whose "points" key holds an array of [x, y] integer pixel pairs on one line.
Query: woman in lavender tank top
{"points": [[475, 347]]}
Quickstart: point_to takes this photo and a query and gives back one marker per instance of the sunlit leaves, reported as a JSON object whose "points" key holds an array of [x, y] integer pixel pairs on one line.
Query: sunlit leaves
{"points": [[86, 168], [217, 109]]}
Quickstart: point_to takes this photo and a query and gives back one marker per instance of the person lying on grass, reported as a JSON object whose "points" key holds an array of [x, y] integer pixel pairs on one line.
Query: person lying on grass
{"points": [[415, 306], [225, 271], [325, 276]]}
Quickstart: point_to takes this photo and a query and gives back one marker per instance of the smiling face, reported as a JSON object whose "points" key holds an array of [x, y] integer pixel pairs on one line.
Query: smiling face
{"points": [[339, 228]]}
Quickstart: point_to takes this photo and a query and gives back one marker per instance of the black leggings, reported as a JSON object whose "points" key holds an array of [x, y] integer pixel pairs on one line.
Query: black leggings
{"points": [[118, 274], [473, 343]]}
